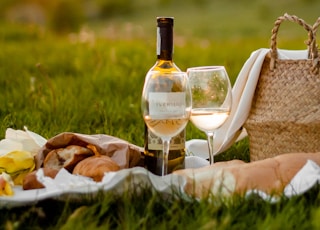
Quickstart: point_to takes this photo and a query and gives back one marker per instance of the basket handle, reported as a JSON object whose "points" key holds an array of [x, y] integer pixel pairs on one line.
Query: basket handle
{"points": [[313, 53], [314, 29]]}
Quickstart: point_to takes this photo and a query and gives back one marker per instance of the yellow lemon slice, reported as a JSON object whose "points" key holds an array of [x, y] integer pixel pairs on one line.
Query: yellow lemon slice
{"points": [[17, 164]]}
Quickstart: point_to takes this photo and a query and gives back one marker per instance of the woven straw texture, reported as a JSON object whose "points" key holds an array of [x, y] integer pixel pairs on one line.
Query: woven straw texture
{"points": [[285, 112]]}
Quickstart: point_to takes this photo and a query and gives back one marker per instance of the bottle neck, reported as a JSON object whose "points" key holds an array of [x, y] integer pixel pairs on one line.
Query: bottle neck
{"points": [[165, 42]]}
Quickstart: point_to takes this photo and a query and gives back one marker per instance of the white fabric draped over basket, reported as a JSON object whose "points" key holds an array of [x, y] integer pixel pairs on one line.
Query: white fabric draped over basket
{"points": [[243, 92]]}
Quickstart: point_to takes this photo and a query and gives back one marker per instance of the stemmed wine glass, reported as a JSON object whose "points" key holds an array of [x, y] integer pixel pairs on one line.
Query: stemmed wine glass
{"points": [[211, 100], [166, 107]]}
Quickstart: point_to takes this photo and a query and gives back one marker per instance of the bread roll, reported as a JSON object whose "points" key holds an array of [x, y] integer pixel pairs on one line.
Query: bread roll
{"points": [[30, 181], [269, 175], [95, 167], [66, 157]]}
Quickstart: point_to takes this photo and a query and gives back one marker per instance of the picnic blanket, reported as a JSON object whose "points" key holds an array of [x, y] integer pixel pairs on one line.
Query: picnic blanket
{"points": [[68, 186]]}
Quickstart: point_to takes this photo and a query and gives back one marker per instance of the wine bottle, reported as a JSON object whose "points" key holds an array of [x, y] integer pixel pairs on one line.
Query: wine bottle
{"points": [[152, 143]]}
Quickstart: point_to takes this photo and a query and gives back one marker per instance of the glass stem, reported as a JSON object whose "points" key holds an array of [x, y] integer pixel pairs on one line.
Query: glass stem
{"points": [[166, 145], [210, 137]]}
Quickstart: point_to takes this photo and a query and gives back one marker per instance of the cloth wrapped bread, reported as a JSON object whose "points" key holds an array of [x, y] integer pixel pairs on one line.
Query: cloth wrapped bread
{"points": [[269, 175], [236, 177], [125, 154], [86, 155]]}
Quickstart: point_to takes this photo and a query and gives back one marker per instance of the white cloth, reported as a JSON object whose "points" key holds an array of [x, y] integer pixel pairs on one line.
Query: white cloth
{"points": [[19, 140], [67, 186], [305, 179], [242, 93]]}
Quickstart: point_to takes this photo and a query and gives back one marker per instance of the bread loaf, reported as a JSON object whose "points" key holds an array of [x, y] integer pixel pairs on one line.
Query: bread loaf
{"points": [[30, 180], [66, 157], [269, 175], [95, 167]]}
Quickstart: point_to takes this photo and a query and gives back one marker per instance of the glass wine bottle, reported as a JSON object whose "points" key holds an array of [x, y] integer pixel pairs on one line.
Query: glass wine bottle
{"points": [[152, 143]]}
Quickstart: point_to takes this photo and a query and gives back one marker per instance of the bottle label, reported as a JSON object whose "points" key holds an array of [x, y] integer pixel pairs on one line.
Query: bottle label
{"points": [[167, 104], [176, 143]]}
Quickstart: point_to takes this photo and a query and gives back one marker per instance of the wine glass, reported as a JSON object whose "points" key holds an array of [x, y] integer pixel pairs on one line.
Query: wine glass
{"points": [[166, 107], [211, 100]]}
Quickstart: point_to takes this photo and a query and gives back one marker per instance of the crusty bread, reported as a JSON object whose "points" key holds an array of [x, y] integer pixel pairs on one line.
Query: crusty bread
{"points": [[66, 157], [95, 167], [269, 175], [30, 180]]}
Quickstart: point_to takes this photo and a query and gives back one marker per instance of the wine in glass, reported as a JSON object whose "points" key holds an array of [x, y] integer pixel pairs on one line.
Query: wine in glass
{"points": [[211, 100], [166, 107]]}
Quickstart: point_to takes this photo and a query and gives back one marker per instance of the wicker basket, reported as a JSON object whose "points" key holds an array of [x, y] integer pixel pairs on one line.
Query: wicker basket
{"points": [[285, 111]]}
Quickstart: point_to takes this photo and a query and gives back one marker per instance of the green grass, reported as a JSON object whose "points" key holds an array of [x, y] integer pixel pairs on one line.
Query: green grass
{"points": [[52, 84], [145, 210]]}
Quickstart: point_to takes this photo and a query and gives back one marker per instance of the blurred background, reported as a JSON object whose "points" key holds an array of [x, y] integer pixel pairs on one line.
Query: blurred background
{"points": [[79, 65], [212, 19]]}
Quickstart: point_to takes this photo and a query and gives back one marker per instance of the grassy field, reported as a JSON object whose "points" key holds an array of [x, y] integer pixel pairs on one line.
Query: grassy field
{"points": [[90, 82]]}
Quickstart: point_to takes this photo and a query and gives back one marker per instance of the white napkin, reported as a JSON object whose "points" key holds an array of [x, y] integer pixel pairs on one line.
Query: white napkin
{"points": [[195, 162], [66, 181], [242, 92], [121, 181], [19, 140]]}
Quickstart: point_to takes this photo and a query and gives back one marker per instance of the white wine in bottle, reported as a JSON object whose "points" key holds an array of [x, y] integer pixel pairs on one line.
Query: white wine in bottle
{"points": [[152, 143]]}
